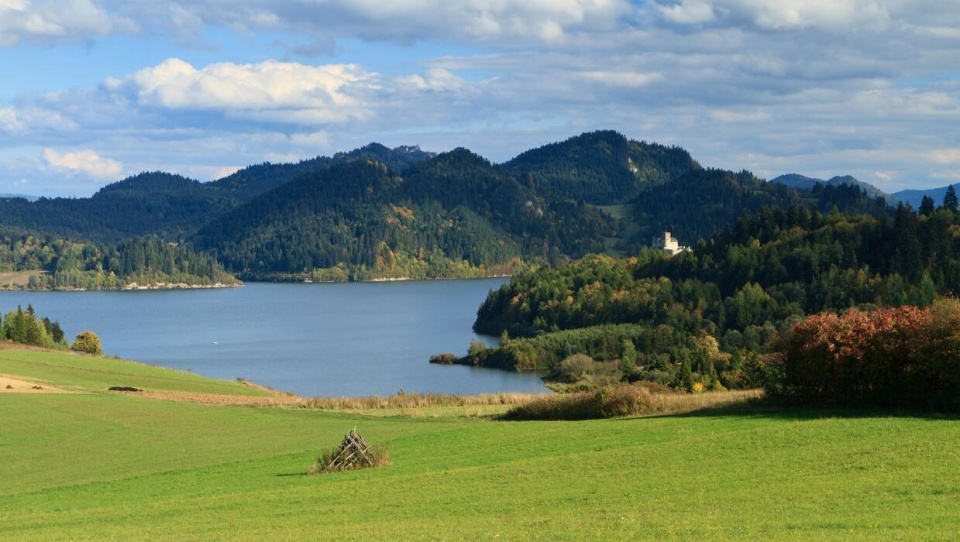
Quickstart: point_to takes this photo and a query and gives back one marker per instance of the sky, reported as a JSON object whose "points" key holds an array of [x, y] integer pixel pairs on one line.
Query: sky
{"points": [[93, 91]]}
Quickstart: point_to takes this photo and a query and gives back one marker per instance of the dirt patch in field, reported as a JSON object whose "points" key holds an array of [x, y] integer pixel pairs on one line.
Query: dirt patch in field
{"points": [[14, 384]]}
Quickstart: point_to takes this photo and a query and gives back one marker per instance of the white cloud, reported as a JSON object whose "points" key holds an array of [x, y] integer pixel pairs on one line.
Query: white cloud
{"points": [[948, 156], [268, 91], [622, 78], [829, 14], [506, 23], [476, 21], [33, 119], [57, 20], [855, 86], [86, 162], [726, 115], [781, 14], [688, 12], [436, 80]]}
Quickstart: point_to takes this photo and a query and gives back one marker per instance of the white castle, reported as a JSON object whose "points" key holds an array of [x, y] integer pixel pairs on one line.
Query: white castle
{"points": [[669, 244]]}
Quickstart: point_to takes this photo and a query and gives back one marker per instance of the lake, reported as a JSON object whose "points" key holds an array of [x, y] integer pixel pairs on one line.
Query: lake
{"points": [[352, 339]]}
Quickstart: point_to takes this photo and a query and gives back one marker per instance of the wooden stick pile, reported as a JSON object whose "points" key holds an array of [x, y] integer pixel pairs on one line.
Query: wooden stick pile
{"points": [[353, 453]]}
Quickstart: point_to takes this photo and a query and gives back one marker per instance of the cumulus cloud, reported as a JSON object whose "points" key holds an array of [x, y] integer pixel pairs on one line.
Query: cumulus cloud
{"points": [[86, 162], [522, 21], [688, 12], [628, 79], [33, 119], [948, 156], [781, 14], [508, 22], [57, 20], [855, 86], [436, 80], [278, 91]]}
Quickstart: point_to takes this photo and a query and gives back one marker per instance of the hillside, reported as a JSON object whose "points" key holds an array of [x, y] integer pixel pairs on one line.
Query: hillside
{"points": [[37, 262], [704, 317], [254, 180], [172, 206], [700, 203], [602, 167], [83, 463], [452, 215]]}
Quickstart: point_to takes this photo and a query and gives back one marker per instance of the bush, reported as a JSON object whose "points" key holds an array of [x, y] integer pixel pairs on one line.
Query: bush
{"points": [[443, 359], [87, 342], [890, 358], [607, 402]]}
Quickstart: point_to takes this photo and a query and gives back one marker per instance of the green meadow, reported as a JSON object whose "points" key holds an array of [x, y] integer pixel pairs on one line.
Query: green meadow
{"points": [[90, 464]]}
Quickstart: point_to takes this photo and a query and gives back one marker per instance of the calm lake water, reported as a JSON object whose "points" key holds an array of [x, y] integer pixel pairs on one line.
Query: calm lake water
{"points": [[311, 339]]}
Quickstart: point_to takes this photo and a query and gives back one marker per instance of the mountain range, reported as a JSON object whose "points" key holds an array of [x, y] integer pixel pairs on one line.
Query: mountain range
{"points": [[377, 212], [795, 180], [914, 197]]}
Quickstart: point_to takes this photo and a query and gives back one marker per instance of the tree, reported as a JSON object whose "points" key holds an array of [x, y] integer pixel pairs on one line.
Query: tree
{"points": [[87, 342], [926, 206], [950, 199]]}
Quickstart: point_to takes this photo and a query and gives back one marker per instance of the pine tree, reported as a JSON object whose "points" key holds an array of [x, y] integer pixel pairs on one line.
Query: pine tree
{"points": [[950, 199]]}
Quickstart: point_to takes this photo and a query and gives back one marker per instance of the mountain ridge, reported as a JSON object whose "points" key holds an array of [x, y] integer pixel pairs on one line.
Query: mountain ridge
{"points": [[796, 180]]}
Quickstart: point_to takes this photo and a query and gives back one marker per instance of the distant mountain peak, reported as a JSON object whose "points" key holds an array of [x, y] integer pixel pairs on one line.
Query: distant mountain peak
{"points": [[602, 167], [795, 180], [150, 182]]}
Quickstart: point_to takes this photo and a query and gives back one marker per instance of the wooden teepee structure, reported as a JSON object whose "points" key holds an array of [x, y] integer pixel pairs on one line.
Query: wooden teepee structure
{"points": [[353, 453]]}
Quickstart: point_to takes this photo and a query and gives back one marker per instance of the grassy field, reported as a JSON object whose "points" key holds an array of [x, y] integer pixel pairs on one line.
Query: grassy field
{"points": [[98, 465], [14, 280], [619, 212]]}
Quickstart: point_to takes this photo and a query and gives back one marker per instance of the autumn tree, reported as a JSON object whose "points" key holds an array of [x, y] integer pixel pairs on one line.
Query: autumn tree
{"points": [[87, 342]]}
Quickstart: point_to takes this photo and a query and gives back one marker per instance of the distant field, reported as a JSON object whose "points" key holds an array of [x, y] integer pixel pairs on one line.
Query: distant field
{"points": [[79, 372], [98, 465], [16, 279], [619, 212]]}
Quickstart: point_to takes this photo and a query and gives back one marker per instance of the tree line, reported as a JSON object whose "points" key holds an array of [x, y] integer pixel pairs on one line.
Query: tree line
{"points": [[63, 264]]}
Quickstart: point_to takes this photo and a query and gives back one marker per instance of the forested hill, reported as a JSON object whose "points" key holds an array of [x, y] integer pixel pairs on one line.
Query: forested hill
{"points": [[602, 167], [453, 215], [700, 203], [699, 316], [172, 206], [46, 263], [149, 203], [254, 180]]}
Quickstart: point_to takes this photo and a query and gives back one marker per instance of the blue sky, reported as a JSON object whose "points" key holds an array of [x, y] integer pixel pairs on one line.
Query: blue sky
{"points": [[96, 90]]}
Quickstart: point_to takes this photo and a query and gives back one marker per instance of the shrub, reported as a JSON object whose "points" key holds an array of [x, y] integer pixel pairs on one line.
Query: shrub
{"points": [[87, 342], [891, 358], [443, 359], [606, 402]]}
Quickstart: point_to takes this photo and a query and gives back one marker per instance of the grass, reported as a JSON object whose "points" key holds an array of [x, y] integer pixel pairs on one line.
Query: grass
{"points": [[69, 370], [420, 405], [619, 212], [623, 400], [106, 466], [16, 280]]}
